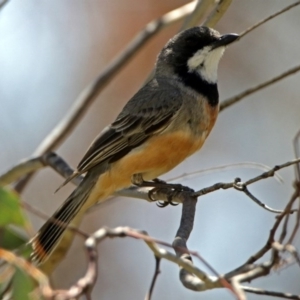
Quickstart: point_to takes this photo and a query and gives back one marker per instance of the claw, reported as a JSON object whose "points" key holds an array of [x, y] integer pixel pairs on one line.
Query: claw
{"points": [[173, 203], [169, 201], [162, 204], [157, 183]]}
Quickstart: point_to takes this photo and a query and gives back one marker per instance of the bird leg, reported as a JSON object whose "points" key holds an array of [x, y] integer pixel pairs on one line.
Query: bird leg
{"points": [[137, 179]]}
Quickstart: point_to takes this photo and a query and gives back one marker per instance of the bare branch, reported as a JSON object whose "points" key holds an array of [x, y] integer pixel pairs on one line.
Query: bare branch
{"points": [[60, 166], [247, 164], [288, 209], [210, 281], [21, 263], [258, 271], [269, 293], [241, 187], [286, 248], [45, 216], [230, 101], [85, 284], [198, 14], [241, 274], [50, 159], [228, 185], [238, 185], [3, 3], [296, 226], [296, 144], [269, 242], [217, 13], [153, 281], [271, 172], [268, 18], [21, 169]]}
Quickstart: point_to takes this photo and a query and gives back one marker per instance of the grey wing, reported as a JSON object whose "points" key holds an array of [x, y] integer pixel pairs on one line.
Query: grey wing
{"points": [[149, 111]]}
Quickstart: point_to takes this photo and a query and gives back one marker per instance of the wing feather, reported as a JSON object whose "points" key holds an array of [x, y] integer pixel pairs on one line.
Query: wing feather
{"points": [[149, 111]]}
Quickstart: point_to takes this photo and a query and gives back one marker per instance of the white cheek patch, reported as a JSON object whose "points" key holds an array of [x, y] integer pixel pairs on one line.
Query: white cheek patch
{"points": [[205, 62], [197, 59]]}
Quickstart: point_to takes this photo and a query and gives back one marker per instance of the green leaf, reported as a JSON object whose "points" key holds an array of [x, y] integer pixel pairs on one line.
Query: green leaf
{"points": [[11, 239], [10, 208], [22, 285]]}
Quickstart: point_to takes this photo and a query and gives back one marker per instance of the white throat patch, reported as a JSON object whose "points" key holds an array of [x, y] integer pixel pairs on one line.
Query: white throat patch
{"points": [[205, 62]]}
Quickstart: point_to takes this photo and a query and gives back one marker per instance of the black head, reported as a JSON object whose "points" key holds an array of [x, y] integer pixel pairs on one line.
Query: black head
{"points": [[197, 49]]}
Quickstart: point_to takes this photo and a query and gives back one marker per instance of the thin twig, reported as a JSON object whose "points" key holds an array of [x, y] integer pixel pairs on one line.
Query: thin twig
{"points": [[83, 286], [207, 282], [296, 185], [259, 271], [227, 185], [253, 165], [28, 268], [286, 248], [288, 208], [296, 144], [257, 201], [268, 18], [21, 169], [269, 242], [217, 13], [25, 167], [271, 172], [153, 281], [230, 101], [198, 14], [45, 216], [296, 226], [281, 295], [3, 3], [241, 186]]}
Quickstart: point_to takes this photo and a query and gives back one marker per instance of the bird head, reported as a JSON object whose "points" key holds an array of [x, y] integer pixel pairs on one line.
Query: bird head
{"points": [[197, 50]]}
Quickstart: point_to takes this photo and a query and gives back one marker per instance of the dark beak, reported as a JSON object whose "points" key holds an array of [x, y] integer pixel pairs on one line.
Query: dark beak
{"points": [[225, 40]]}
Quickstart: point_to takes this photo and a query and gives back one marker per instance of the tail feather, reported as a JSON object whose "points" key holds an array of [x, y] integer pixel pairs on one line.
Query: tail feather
{"points": [[48, 237], [51, 232], [70, 178]]}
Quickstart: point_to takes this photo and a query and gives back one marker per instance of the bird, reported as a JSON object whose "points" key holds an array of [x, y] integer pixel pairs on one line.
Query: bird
{"points": [[165, 122]]}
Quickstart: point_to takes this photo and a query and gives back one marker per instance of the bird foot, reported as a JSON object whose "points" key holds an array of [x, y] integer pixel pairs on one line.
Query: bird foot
{"points": [[137, 179]]}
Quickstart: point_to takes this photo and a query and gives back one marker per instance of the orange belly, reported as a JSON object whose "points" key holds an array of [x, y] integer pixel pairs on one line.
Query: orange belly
{"points": [[157, 156]]}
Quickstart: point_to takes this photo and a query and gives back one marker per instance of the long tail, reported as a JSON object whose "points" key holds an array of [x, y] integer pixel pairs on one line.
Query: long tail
{"points": [[50, 234]]}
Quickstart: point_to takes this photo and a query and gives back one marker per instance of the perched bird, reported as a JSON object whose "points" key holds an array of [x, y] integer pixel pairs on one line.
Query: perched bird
{"points": [[166, 121]]}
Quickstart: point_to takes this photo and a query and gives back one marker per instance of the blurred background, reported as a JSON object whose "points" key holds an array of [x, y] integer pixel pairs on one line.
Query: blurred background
{"points": [[50, 50]]}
